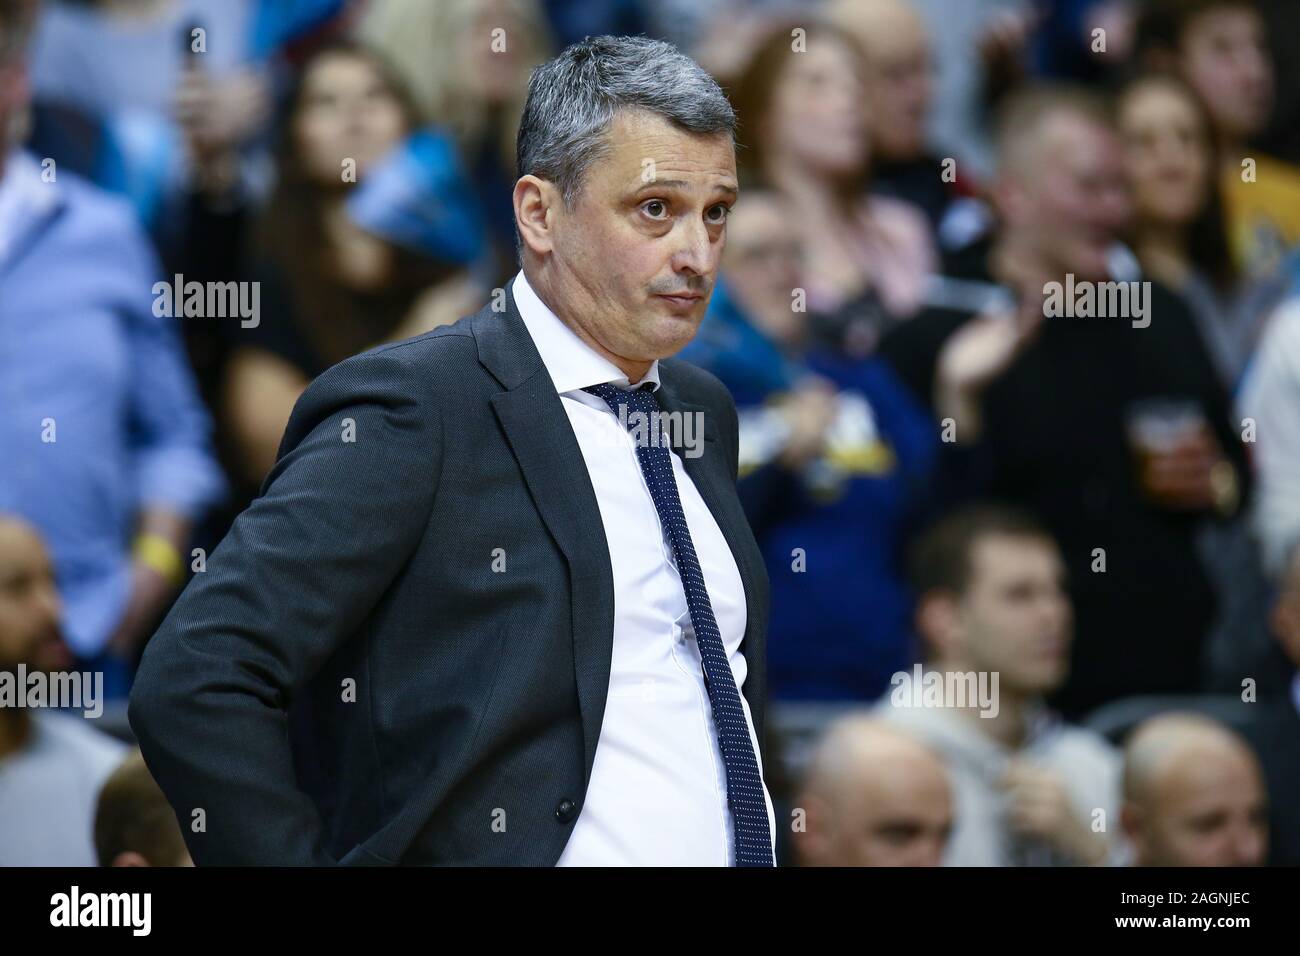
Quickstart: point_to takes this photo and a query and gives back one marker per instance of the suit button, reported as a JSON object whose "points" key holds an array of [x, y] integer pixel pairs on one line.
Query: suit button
{"points": [[566, 811]]}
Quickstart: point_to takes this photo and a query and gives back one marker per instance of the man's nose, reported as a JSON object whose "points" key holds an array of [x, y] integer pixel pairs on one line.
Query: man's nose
{"points": [[696, 251]]}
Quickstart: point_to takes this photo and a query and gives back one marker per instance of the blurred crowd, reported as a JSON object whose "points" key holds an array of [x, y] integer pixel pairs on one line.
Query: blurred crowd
{"points": [[206, 203]]}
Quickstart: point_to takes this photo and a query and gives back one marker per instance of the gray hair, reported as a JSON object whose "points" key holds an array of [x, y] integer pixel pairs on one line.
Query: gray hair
{"points": [[572, 100]]}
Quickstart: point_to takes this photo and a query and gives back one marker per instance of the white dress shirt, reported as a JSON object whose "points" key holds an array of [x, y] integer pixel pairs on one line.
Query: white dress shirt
{"points": [[658, 789]]}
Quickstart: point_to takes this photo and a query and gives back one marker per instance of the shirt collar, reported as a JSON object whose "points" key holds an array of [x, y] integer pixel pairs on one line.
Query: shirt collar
{"points": [[573, 363]]}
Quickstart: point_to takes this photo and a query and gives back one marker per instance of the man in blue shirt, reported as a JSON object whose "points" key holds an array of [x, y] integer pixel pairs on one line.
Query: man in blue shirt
{"points": [[104, 443]]}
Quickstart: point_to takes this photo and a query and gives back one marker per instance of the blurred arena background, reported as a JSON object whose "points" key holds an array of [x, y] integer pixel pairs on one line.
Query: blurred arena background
{"points": [[206, 203]]}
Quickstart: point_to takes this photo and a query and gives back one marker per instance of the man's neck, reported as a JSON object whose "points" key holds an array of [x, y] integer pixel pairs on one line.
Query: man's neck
{"points": [[1014, 261], [1007, 726], [544, 282]]}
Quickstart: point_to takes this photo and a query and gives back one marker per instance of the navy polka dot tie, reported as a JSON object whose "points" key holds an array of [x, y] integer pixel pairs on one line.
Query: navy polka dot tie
{"points": [[753, 839]]}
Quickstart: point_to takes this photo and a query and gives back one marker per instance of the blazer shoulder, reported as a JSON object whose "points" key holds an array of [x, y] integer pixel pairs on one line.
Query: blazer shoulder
{"points": [[447, 343], [698, 385], [402, 385], [415, 366]]}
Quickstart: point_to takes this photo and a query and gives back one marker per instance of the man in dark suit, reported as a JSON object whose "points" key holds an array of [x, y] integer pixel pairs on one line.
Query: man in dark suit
{"points": [[500, 574]]}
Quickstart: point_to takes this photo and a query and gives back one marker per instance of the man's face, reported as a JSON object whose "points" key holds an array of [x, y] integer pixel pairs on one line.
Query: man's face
{"points": [[1070, 200], [29, 603], [902, 818], [635, 259], [1224, 56], [1208, 809], [1015, 617]]}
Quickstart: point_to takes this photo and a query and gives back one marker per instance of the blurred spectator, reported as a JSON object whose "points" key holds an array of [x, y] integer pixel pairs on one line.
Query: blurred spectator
{"points": [[51, 764], [722, 35], [467, 64], [805, 134], [968, 37], [329, 288], [873, 797], [137, 68], [1178, 231], [106, 441], [1220, 48], [1067, 46], [1179, 237], [571, 20], [1193, 795], [134, 823], [834, 455], [1275, 730], [900, 92], [1284, 40], [1113, 429], [1030, 789], [1270, 398]]}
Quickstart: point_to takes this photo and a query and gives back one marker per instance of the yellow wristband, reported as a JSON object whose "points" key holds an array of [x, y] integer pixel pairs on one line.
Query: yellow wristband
{"points": [[160, 554]]}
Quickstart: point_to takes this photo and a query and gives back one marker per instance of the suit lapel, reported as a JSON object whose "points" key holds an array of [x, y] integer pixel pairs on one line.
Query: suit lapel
{"points": [[532, 415]]}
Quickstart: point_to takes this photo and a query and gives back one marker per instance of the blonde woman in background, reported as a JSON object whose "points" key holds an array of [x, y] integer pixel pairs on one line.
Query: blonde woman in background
{"points": [[805, 132], [467, 63]]}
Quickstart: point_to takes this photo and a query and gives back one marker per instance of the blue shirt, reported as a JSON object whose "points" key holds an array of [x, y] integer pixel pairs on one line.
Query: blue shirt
{"points": [[84, 361]]}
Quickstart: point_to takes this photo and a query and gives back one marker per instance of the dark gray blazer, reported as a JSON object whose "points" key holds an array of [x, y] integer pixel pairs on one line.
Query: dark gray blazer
{"points": [[350, 680]]}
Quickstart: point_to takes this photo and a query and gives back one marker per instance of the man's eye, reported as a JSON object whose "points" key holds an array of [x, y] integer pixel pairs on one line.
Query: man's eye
{"points": [[720, 214], [655, 208]]}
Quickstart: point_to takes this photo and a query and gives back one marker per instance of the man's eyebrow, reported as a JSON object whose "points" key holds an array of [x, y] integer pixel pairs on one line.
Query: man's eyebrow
{"points": [[682, 184]]}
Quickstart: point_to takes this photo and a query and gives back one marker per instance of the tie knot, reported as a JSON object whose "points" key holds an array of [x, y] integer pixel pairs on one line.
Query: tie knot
{"points": [[639, 399]]}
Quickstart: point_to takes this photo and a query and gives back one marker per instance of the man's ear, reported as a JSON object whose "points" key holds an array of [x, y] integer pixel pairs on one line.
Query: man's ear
{"points": [[535, 205]]}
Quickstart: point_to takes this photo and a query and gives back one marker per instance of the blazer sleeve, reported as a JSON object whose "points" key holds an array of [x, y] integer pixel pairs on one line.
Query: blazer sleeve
{"points": [[301, 568]]}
